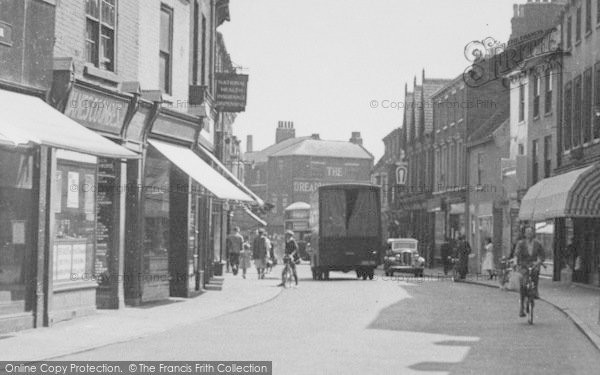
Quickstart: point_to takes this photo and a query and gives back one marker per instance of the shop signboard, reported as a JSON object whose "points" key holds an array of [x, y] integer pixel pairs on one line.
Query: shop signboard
{"points": [[97, 110], [231, 90]]}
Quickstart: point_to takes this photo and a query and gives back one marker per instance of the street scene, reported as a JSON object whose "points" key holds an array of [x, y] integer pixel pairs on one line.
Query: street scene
{"points": [[299, 187]]}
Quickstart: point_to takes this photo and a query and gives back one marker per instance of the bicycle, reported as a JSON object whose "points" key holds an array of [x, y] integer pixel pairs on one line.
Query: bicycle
{"points": [[530, 289], [288, 274], [454, 262]]}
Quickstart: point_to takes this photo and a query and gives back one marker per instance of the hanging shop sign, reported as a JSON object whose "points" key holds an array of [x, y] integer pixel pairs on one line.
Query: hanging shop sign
{"points": [[231, 92]]}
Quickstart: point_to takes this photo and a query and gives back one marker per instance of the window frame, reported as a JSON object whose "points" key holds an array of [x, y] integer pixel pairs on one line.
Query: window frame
{"points": [[569, 36], [578, 24], [534, 161], [547, 156], [596, 106], [568, 116], [548, 93], [98, 60], [586, 110], [167, 85], [536, 95], [588, 16], [577, 107], [522, 103]]}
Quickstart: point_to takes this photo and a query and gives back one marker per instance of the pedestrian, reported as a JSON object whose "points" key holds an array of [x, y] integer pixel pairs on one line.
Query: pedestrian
{"points": [[446, 253], [270, 254], [260, 251], [488, 260], [291, 251], [463, 249], [234, 244], [529, 252], [245, 257]]}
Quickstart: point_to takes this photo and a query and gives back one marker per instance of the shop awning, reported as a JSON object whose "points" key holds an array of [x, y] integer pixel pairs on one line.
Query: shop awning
{"points": [[256, 218], [572, 194], [201, 172], [28, 120], [237, 182]]}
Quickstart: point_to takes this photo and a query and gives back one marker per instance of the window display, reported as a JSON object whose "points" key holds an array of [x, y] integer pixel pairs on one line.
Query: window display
{"points": [[75, 221]]}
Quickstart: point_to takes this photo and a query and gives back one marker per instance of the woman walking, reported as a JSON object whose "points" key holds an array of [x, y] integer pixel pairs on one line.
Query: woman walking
{"points": [[245, 258], [488, 260]]}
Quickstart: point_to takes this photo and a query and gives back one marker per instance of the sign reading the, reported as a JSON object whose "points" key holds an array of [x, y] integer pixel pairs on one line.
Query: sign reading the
{"points": [[231, 91]]}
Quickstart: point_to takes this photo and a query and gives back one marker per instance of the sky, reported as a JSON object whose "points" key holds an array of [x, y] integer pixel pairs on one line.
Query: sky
{"points": [[324, 64]]}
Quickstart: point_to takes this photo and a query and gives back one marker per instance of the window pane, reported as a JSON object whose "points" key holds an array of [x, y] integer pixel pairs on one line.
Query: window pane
{"points": [[569, 31], [92, 9], [165, 30], [587, 105], [91, 42], [596, 109], [165, 72], [577, 111], [568, 115], [588, 15], [578, 25], [108, 12], [107, 49]]}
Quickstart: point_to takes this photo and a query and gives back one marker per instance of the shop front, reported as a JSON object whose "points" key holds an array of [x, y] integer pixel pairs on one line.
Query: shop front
{"points": [[568, 206], [48, 223]]}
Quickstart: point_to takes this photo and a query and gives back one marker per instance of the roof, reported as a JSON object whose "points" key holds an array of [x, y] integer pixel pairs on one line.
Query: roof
{"points": [[430, 86], [324, 148], [484, 132], [263, 155]]}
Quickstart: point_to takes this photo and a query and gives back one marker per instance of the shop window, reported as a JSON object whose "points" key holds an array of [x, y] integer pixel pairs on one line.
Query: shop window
{"points": [[156, 216], [75, 220], [16, 231], [100, 33], [166, 48]]}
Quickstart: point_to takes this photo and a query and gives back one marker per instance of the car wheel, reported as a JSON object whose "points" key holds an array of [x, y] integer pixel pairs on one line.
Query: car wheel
{"points": [[371, 274]]}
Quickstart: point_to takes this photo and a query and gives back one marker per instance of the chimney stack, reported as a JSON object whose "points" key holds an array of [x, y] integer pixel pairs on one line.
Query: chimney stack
{"points": [[249, 143], [315, 136], [356, 138], [285, 130]]}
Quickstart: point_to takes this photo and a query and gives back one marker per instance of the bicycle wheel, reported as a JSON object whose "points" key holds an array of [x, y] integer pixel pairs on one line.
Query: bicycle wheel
{"points": [[287, 278], [530, 304]]}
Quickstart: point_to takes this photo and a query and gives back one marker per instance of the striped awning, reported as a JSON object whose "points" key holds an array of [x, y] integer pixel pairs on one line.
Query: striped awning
{"points": [[572, 194]]}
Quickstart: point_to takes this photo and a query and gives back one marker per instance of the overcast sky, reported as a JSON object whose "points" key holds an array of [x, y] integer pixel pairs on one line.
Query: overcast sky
{"points": [[320, 63]]}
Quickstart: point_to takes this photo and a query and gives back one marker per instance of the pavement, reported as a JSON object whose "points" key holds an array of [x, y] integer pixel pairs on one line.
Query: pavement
{"points": [[580, 303], [106, 327]]}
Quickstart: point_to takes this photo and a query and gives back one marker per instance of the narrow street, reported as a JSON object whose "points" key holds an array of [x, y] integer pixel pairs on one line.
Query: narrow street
{"points": [[382, 326]]}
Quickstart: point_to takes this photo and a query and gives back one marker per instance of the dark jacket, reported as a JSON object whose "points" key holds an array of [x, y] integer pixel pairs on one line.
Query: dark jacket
{"points": [[259, 248]]}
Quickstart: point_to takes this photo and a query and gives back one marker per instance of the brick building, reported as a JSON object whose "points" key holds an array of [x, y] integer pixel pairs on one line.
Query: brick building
{"points": [[385, 174], [568, 200], [291, 169]]}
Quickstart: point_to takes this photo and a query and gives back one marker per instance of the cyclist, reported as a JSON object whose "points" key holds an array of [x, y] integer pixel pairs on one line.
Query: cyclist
{"points": [[291, 253], [529, 252]]}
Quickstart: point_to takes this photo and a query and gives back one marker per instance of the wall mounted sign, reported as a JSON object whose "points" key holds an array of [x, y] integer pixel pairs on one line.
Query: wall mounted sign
{"points": [[401, 173], [96, 110]]}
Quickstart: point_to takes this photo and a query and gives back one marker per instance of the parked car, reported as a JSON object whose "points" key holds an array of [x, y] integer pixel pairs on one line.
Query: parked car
{"points": [[402, 256]]}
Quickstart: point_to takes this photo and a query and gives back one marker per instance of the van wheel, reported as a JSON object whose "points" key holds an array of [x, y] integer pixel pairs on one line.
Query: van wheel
{"points": [[326, 275], [371, 274]]}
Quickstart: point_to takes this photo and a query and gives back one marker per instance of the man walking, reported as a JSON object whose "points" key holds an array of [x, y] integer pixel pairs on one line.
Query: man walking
{"points": [[463, 249], [234, 243]]}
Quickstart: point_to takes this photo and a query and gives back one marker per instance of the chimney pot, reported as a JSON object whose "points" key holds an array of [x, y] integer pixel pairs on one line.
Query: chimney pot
{"points": [[249, 143], [315, 136]]}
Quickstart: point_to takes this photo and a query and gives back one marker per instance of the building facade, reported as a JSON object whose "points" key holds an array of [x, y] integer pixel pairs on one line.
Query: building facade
{"points": [[295, 167]]}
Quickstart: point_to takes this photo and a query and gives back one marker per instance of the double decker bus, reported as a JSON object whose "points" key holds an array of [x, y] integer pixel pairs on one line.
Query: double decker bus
{"points": [[346, 230]]}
